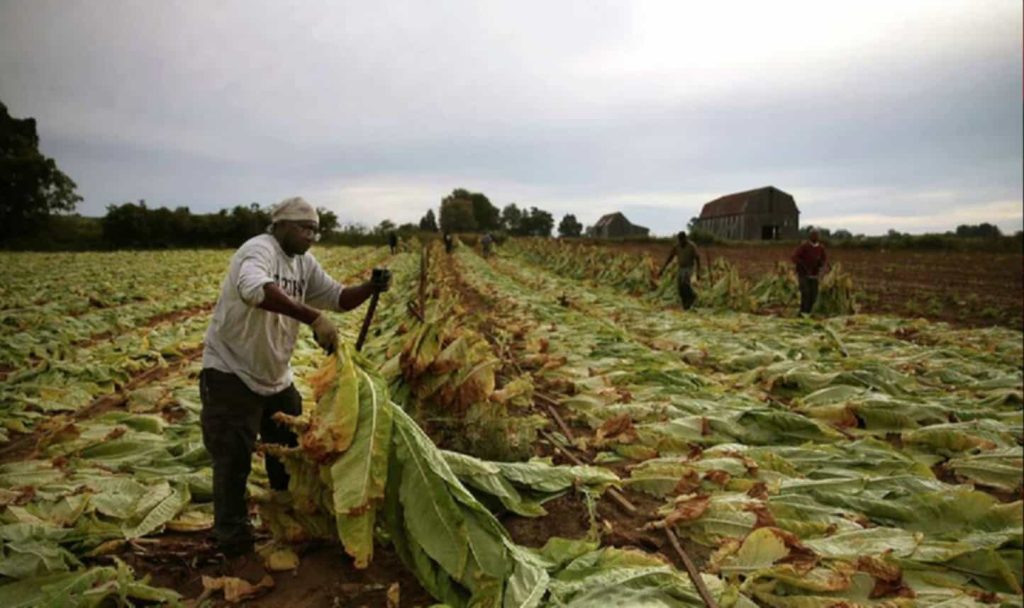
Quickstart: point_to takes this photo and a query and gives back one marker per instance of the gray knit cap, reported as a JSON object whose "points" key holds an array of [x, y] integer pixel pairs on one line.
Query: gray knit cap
{"points": [[294, 209]]}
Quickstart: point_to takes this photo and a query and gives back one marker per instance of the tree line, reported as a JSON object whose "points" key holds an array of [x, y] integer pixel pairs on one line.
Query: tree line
{"points": [[465, 211], [37, 200]]}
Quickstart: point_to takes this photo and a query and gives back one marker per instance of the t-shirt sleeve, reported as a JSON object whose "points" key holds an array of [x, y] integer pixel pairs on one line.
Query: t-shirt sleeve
{"points": [[254, 271], [322, 291]]}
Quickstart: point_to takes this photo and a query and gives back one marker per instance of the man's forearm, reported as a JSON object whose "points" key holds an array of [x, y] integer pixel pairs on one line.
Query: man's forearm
{"points": [[352, 297], [667, 262], [278, 301]]}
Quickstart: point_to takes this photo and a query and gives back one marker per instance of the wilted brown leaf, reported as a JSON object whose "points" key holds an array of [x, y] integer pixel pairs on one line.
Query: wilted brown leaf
{"points": [[688, 510], [718, 477], [618, 428], [688, 483], [236, 589], [765, 519], [758, 490]]}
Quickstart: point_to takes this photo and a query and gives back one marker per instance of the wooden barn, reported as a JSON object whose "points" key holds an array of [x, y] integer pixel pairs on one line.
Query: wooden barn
{"points": [[762, 214], [615, 225]]}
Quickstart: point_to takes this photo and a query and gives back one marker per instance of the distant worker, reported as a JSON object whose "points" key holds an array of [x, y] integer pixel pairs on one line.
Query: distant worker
{"points": [[449, 242], [689, 261], [272, 285], [486, 243], [393, 242], [810, 260]]}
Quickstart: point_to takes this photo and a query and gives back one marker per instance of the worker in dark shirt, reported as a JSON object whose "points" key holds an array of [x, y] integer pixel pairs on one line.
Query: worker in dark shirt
{"points": [[810, 261], [689, 261], [393, 242]]}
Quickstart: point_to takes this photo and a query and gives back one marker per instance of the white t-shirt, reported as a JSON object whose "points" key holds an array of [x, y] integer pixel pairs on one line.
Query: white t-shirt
{"points": [[255, 344]]}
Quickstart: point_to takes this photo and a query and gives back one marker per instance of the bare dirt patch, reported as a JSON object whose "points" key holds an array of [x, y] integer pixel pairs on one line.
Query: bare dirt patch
{"points": [[325, 578]]}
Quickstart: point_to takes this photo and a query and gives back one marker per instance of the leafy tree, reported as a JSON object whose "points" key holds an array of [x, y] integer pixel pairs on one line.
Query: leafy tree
{"points": [[328, 220], [537, 223], [134, 225], [31, 185], [247, 222], [842, 234], [984, 230], [457, 215], [570, 226], [824, 233], [127, 225], [511, 217], [485, 215], [692, 224], [384, 227], [429, 222], [355, 228]]}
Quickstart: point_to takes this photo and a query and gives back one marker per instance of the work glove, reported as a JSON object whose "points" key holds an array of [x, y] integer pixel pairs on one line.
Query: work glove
{"points": [[325, 333], [380, 280]]}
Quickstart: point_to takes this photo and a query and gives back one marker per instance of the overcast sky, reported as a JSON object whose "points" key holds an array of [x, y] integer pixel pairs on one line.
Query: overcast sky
{"points": [[873, 115]]}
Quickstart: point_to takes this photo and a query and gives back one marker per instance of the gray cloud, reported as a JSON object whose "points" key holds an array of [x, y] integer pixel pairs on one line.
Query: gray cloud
{"points": [[874, 115]]}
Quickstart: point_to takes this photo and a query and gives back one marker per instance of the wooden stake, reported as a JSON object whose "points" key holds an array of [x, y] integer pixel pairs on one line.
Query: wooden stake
{"points": [[414, 311], [561, 423], [702, 589], [614, 493]]}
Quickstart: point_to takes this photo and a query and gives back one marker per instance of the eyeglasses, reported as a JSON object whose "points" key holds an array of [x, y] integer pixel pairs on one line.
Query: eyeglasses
{"points": [[311, 229]]}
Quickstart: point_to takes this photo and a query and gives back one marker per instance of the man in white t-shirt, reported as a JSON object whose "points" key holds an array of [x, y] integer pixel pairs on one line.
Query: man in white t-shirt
{"points": [[273, 284]]}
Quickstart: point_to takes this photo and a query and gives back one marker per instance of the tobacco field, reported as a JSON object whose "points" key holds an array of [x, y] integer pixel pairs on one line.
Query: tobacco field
{"points": [[542, 427]]}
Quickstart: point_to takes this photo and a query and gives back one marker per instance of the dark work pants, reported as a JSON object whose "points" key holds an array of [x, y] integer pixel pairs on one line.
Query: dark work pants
{"points": [[808, 293], [231, 417], [686, 293]]}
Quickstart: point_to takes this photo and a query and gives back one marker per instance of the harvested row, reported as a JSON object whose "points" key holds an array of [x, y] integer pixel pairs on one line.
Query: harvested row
{"points": [[130, 480], [674, 430], [66, 377]]}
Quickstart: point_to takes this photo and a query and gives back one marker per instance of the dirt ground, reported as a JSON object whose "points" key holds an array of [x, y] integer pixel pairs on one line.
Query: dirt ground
{"points": [[325, 577], [969, 288]]}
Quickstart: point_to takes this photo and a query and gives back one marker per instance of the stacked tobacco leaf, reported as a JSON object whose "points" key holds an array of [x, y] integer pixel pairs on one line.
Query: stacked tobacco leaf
{"points": [[364, 470], [725, 289]]}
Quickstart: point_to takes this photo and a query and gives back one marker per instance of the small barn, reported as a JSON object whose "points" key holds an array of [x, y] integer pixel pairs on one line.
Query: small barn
{"points": [[762, 214], [615, 225]]}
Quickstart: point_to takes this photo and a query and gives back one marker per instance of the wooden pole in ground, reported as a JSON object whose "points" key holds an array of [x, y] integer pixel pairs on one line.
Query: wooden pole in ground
{"points": [[550, 404], [617, 496], [691, 569], [422, 293]]}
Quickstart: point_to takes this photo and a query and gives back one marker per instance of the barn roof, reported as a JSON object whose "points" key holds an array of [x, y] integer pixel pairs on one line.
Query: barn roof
{"points": [[609, 218], [732, 204]]}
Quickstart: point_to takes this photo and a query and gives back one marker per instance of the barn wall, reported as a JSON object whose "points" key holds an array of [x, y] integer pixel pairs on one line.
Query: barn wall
{"points": [[770, 207]]}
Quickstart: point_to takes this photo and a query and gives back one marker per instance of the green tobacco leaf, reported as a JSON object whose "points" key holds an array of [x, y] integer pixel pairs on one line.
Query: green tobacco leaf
{"points": [[22, 559], [117, 496], [760, 549], [90, 588], [541, 476], [1001, 468], [431, 514], [163, 512], [618, 577], [486, 477], [356, 534], [338, 408], [359, 476]]}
